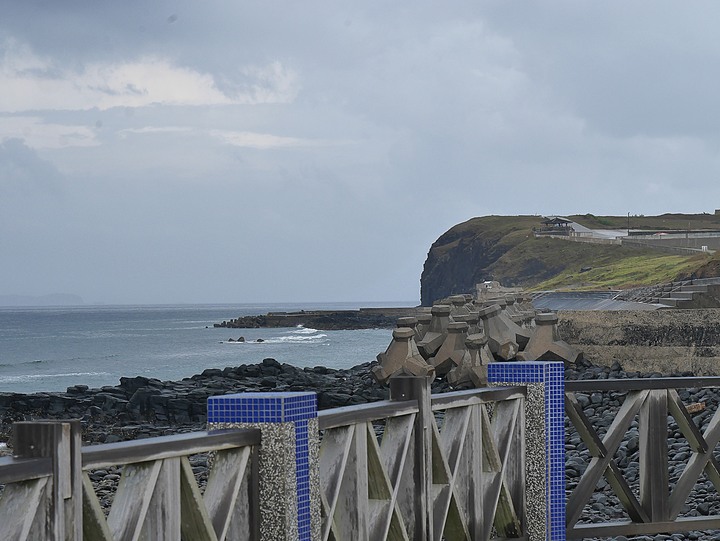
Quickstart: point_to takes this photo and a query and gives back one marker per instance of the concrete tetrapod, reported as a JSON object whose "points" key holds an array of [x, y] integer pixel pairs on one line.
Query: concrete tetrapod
{"points": [[472, 371], [401, 358], [522, 334], [458, 306], [503, 335], [511, 310], [452, 350], [435, 335], [525, 306], [546, 344], [423, 325], [473, 321], [410, 323]]}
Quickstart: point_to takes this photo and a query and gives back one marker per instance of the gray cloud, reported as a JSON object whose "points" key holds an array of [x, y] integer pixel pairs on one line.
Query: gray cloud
{"points": [[23, 174], [269, 151]]}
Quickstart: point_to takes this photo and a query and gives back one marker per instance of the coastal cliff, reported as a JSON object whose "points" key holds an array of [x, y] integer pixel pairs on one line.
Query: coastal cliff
{"points": [[505, 249], [476, 250]]}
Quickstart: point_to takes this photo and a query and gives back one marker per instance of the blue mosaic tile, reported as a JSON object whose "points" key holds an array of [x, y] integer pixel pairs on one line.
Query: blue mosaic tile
{"points": [[276, 407], [551, 375], [262, 407]]}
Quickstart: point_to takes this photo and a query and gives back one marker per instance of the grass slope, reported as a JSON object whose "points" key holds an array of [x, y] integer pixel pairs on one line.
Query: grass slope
{"points": [[542, 263], [632, 271]]}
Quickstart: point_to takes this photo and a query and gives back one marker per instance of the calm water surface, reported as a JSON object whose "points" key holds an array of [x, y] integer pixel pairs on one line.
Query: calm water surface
{"points": [[49, 349]]}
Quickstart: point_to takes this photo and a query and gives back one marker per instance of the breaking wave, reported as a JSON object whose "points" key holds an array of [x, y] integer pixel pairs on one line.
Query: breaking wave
{"points": [[303, 330], [299, 335]]}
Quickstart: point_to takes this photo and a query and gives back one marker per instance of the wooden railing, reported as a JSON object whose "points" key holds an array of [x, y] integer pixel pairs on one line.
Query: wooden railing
{"points": [[654, 501], [450, 466], [420, 467], [48, 492]]}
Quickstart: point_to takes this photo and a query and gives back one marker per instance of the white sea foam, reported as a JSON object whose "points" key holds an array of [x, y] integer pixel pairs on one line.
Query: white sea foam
{"points": [[292, 339], [302, 330], [30, 377], [299, 335]]}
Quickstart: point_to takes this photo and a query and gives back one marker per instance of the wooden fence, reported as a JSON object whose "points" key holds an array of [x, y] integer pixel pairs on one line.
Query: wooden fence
{"points": [[414, 467], [445, 466], [48, 493], [451, 466], [654, 502]]}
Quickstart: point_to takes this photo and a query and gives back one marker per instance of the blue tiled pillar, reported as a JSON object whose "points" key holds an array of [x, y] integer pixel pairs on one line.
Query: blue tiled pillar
{"points": [[545, 437], [289, 479]]}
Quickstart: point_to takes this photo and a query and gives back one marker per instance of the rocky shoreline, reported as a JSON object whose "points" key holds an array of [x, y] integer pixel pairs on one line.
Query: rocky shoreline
{"points": [[143, 407]]}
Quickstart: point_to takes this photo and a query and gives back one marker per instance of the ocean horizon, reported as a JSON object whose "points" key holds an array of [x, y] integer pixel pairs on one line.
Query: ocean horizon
{"points": [[47, 349]]}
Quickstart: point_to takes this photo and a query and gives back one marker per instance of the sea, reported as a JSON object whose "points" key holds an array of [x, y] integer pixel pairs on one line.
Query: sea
{"points": [[47, 349]]}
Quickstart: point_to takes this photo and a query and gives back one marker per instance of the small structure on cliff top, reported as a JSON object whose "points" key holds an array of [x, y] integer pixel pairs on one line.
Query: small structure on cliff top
{"points": [[459, 339]]}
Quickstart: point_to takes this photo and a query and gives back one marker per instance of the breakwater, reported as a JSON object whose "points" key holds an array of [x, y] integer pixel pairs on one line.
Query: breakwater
{"points": [[666, 341], [327, 320]]}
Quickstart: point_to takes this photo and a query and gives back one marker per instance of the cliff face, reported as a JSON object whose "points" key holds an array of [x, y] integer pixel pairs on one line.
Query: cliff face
{"points": [[474, 251]]}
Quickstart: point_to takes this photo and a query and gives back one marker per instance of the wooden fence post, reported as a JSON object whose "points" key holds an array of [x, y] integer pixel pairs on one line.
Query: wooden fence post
{"points": [[418, 388], [60, 441], [654, 481]]}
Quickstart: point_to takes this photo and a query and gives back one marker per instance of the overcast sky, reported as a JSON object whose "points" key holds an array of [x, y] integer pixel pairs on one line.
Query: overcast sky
{"points": [[246, 151]]}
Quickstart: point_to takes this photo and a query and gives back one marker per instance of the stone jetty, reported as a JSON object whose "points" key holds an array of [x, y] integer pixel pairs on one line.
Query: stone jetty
{"points": [[328, 320]]}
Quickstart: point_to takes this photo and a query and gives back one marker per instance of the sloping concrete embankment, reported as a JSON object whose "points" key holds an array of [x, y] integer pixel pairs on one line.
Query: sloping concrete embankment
{"points": [[663, 341]]}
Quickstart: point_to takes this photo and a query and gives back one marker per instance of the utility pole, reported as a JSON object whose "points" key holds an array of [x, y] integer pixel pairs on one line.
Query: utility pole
{"points": [[628, 224]]}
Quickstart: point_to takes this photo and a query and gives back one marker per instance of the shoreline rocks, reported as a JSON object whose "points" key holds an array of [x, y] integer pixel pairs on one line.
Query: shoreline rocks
{"points": [[143, 407]]}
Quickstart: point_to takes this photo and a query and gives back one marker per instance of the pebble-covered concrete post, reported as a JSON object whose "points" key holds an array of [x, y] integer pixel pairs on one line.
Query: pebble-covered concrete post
{"points": [[289, 457], [545, 442]]}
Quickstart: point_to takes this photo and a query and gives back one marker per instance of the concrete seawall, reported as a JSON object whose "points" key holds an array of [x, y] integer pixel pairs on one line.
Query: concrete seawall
{"points": [[662, 341]]}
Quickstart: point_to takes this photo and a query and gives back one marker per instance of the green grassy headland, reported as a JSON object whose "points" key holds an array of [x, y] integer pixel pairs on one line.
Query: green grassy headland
{"points": [[504, 248]]}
